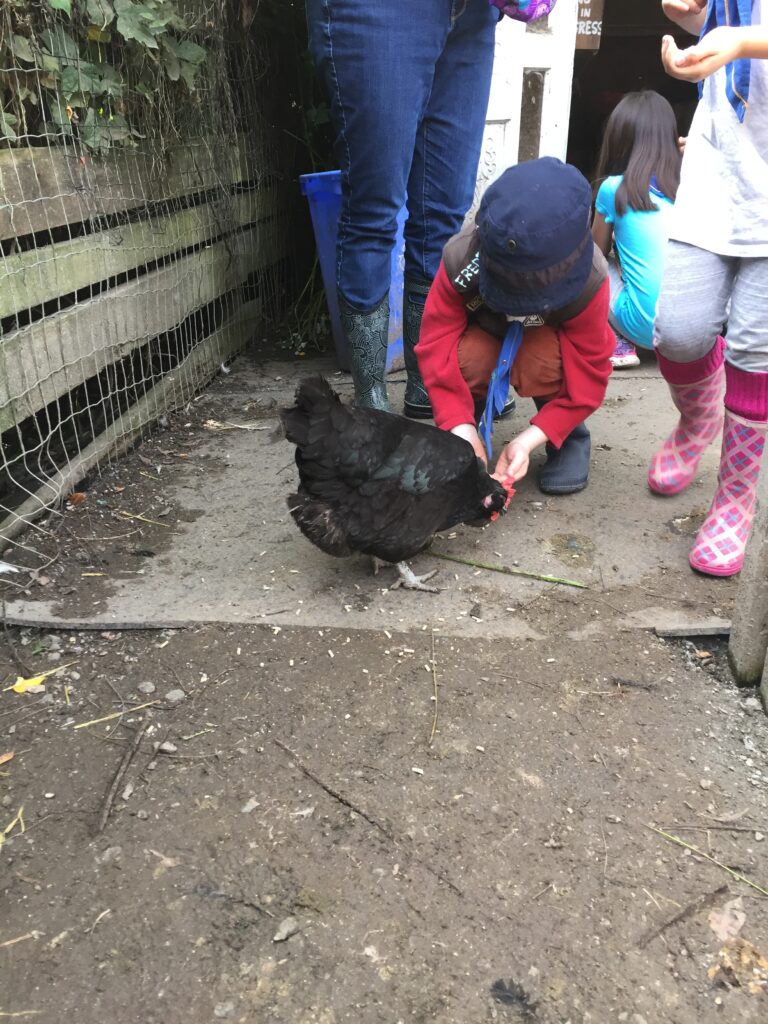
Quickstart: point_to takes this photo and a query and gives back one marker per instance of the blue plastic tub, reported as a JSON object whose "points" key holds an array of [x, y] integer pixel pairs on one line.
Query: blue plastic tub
{"points": [[323, 190]]}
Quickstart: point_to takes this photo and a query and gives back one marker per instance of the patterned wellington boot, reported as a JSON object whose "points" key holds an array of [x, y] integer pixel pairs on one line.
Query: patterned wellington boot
{"points": [[366, 335], [722, 538], [417, 405], [700, 404]]}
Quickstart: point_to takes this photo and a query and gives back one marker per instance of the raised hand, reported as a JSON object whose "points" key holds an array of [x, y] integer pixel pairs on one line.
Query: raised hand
{"points": [[688, 14], [717, 48]]}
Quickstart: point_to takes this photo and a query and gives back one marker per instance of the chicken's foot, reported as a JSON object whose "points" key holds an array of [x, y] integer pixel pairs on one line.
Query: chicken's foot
{"points": [[410, 581]]}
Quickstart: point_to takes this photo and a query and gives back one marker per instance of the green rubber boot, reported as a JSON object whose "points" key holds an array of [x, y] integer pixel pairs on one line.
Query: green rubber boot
{"points": [[366, 335], [417, 405]]}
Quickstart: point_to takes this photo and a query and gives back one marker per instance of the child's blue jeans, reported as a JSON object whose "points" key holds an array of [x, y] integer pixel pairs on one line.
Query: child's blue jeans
{"points": [[408, 84]]}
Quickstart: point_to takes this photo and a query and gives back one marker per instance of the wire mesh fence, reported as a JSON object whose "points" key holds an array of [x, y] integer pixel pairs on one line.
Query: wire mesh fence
{"points": [[145, 213]]}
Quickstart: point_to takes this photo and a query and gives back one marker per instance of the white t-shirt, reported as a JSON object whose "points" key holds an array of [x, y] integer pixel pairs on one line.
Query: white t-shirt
{"points": [[722, 203]]}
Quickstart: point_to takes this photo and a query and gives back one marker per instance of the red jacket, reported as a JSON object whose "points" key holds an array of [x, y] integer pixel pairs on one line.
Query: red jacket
{"points": [[586, 345]]}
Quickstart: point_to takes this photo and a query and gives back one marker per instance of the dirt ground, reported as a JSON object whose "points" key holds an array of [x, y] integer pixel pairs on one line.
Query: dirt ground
{"points": [[411, 822]]}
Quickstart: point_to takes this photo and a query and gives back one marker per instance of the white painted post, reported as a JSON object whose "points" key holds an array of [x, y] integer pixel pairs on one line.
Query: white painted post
{"points": [[547, 48]]}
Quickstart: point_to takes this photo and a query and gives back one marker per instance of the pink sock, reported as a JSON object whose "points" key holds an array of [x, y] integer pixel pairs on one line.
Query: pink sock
{"points": [[692, 373], [746, 394]]}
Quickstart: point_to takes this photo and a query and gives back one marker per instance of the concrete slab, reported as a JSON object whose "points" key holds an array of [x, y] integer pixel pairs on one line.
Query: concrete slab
{"points": [[236, 556]]}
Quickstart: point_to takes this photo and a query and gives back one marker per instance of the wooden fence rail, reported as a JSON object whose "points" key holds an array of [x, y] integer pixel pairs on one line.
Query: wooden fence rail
{"points": [[101, 259]]}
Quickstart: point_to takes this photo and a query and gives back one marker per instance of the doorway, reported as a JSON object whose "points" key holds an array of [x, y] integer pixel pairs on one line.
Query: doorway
{"points": [[627, 60]]}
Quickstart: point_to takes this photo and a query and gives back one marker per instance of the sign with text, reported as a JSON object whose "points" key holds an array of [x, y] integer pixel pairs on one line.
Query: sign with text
{"points": [[589, 26]]}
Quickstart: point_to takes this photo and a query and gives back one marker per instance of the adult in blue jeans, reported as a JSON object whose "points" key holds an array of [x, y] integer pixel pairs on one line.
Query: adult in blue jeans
{"points": [[408, 85]]}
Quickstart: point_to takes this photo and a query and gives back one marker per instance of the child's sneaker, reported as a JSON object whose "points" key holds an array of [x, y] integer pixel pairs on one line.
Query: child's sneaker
{"points": [[624, 355]]}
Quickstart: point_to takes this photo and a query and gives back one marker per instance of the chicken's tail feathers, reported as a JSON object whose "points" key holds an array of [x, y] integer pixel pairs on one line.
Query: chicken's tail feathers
{"points": [[319, 524], [314, 401]]}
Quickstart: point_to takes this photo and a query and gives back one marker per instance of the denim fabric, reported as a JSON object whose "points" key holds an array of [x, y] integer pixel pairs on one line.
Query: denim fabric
{"points": [[408, 85]]}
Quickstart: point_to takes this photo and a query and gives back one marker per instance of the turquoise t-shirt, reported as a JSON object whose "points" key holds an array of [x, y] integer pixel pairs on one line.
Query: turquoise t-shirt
{"points": [[640, 239]]}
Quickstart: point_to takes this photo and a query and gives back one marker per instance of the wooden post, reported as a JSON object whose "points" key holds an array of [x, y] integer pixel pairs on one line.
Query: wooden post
{"points": [[749, 631]]}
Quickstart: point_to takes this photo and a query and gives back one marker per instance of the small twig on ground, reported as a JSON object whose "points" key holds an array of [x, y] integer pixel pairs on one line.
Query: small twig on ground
{"points": [[711, 859], [605, 857], [716, 828], [127, 710], [20, 938], [697, 905], [546, 888], [102, 914], [386, 832], [434, 691], [122, 768], [637, 684], [509, 572], [142, 519]]}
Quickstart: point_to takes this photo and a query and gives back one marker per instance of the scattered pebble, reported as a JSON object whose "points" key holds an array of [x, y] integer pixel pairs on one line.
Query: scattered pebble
{"points": [[288, 927], [705, 783], [166, 748], [417, 771], [174, 696], [228, 1008], [249, 806], [147, 687]]}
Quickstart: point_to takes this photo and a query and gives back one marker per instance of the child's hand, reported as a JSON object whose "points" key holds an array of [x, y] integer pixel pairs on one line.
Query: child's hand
{"points": [[688, 14], [468, 432], [718, 48], [513, 461]]}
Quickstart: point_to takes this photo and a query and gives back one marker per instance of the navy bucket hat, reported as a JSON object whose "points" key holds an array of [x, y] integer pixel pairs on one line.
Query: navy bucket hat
{"points": [[534, 238]]}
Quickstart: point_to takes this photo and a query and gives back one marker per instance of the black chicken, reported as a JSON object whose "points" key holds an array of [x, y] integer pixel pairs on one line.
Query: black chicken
{"points": [[380, 484]]}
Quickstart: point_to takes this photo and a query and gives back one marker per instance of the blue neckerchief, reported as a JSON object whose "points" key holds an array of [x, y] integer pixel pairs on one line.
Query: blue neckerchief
{"points": [[498, 386], [734, 13]]}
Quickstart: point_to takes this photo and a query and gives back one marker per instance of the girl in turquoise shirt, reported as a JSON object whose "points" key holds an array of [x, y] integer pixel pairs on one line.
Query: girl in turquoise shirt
{"points": [[639, 171]]}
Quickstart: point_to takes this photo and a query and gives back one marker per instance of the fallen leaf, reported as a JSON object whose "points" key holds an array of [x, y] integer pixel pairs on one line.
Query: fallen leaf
{"points": [[726, 922], [22, 685], [5, 758], [167, 862], [76, 498], [743, 966]]}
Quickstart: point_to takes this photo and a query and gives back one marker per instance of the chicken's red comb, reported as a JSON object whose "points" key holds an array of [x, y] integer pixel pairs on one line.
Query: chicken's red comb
{"points": [[507, 485]]}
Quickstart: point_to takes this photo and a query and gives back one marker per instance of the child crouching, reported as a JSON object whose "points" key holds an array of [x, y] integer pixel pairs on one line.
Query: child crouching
{"points": [[521, 298]]}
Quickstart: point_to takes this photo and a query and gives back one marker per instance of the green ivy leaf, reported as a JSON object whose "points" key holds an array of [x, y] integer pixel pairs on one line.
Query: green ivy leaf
{"points": [[189, 74], [61, 5], [21, 48], [170, 62], [100, 12], [190, 52], [60, 44], [133, 23], [91, 79], [58, 110], [7, 121]]}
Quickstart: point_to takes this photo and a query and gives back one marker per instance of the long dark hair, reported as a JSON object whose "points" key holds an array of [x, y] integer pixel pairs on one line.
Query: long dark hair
{"points": [[640, 142]]}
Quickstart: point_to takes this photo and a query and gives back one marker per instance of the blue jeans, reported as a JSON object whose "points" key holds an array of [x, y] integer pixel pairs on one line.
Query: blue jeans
{"points": [[408, 82]]}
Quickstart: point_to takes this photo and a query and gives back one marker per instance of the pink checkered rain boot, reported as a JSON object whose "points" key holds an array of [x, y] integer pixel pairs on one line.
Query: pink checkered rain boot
{"points": [[697, 390], [722, 538]]}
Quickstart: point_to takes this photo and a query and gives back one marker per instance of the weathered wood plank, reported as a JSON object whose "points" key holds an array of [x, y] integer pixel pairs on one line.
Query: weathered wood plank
{"points": [[172, 392], [30, 278], [42, 189], [749, 632], [45, 360]]}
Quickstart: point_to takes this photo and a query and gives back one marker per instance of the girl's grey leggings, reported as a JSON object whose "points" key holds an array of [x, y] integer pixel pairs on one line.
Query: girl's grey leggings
{"points": [[701, 291]]}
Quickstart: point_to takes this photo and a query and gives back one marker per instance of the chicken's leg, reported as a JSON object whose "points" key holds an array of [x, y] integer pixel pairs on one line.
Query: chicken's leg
{"points": [[410, 581]]}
